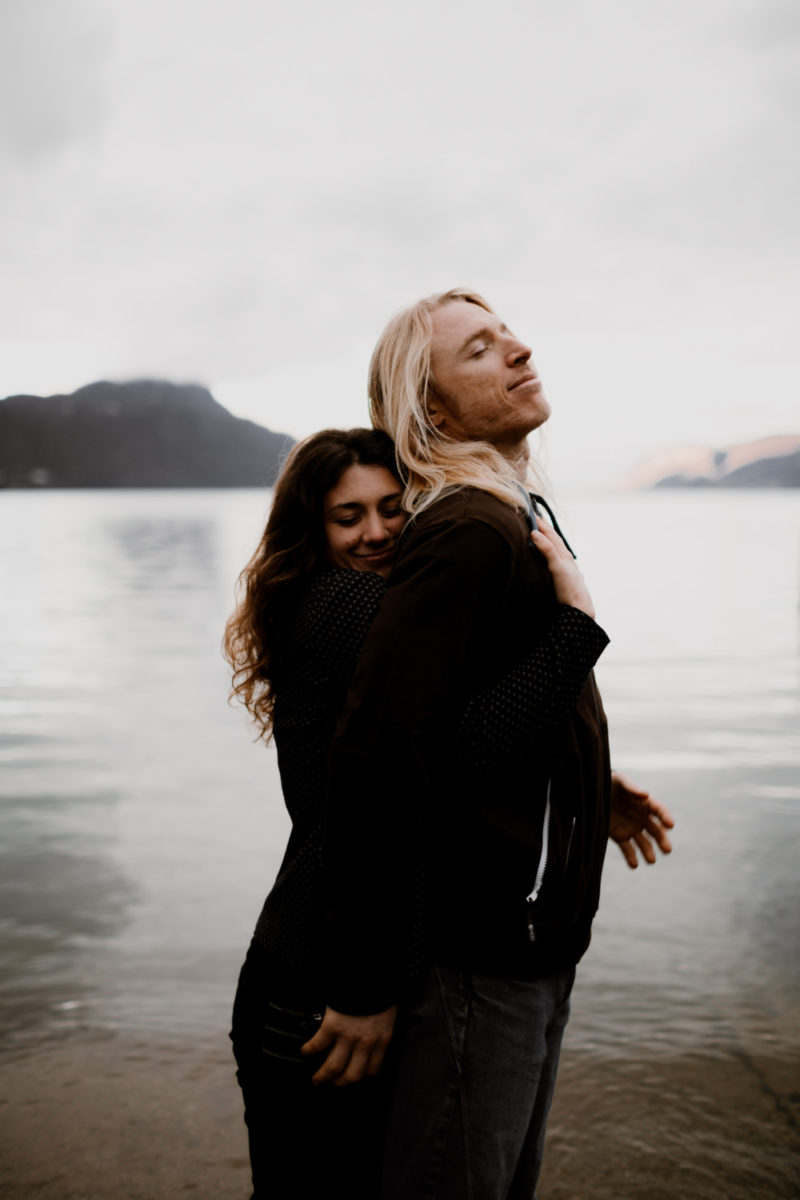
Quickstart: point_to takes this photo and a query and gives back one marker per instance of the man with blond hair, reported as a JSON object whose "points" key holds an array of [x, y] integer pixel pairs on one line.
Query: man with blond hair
{"points": [[461, 893]]}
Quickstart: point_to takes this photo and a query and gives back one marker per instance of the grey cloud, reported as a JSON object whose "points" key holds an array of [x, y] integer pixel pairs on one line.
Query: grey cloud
{"points": [[774, 22], [742, 191], [52, 56]]}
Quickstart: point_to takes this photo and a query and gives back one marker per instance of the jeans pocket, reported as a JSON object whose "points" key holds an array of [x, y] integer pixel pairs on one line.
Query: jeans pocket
{"points": [[286, 1030], [455, 997]]}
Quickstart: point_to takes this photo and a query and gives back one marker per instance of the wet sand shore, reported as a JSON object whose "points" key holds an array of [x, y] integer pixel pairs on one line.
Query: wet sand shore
{"points": [[688, 1127], [92, 1119], [95, 1119]]}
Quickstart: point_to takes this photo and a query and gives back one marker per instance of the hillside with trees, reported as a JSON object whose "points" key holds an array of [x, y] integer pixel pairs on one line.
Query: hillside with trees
{"points": [[146, 433]]}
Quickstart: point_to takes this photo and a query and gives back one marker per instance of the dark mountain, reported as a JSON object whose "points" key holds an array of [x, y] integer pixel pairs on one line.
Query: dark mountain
{"points": [[777, 471], [770, 462], [146, 433]]}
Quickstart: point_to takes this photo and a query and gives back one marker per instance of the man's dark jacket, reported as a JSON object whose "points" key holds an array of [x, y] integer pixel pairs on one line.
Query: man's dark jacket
{"points": [[431, 855]]}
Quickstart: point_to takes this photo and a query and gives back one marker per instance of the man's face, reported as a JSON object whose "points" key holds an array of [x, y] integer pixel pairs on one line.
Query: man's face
{"points": [[485, 387]]}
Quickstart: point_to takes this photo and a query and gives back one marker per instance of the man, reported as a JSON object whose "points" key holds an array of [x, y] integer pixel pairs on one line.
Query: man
{"points": [[464, 892]]}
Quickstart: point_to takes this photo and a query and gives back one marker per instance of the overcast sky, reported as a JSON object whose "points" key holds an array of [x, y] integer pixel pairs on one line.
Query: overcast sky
{"points": [[240, 193]]}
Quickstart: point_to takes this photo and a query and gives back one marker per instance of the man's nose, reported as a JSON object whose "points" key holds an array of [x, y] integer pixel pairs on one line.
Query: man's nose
{"points": [[518, 352]]}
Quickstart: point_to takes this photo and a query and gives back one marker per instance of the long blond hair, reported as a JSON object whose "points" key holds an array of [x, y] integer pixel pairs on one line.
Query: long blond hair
{"points": [[400, 382]]}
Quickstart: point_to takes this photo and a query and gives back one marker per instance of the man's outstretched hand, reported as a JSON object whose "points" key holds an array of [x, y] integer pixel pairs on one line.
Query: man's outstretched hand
{"points": [[355, 1045], [637, 822]]}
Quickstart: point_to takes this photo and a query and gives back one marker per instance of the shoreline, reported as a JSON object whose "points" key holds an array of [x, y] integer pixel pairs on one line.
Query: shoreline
{"points": [[95, 1117]]}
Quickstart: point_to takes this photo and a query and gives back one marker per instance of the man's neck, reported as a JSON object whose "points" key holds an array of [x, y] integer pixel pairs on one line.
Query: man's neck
{"points": [[518, 456]]}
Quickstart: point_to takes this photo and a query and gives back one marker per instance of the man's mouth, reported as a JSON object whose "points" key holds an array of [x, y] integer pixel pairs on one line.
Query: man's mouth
{"points": [[530, 377]]}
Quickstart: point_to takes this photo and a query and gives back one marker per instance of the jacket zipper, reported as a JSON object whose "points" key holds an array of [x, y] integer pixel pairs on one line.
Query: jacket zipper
{"points": [[569, 842], [531, 898]]}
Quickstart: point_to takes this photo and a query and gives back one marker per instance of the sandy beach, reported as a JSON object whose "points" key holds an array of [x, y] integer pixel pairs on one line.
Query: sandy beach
{"points": [[100, 1118], [94, 1119]]}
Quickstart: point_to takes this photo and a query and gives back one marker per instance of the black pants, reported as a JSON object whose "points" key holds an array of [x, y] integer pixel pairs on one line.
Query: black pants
{"points": [[305, 1141]]}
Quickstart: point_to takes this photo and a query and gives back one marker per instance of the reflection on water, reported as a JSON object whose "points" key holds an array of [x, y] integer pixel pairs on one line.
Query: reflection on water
{"points": [[140, 826], [60, 890], [60, 901], [112, 697]]}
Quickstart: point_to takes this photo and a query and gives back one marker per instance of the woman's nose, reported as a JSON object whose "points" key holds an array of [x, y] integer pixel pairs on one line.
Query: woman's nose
{"points": [[375, 529]]}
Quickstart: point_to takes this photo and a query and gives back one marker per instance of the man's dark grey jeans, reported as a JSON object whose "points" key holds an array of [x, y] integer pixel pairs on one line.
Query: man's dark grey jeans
{"points": [[476, 1059]]}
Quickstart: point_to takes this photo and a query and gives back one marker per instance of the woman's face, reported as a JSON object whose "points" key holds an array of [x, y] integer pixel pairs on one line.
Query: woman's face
{"points": [[363, 519]]}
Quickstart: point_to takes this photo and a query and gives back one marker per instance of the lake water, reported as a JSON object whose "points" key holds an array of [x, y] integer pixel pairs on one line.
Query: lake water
{"points": [[141, 826]]}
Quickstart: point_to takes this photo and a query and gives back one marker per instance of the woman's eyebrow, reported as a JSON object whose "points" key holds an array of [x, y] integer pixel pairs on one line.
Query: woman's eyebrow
{"points": [[345, 504], [359, 504]]}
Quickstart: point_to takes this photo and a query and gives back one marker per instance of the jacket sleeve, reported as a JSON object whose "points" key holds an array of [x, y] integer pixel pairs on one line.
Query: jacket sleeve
{"points": [[334, 620], [521, 710], [398, 723]]}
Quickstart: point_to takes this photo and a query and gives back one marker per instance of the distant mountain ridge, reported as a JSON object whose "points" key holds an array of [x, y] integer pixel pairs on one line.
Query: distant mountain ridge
{"points": [[144, 433], [768, 462]]}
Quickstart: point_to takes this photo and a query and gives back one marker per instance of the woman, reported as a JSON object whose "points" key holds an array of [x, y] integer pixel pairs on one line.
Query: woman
{"points": [[310, 593]]}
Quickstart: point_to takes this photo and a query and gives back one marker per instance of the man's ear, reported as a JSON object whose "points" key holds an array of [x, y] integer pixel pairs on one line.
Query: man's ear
{"points": [[435, 410]]}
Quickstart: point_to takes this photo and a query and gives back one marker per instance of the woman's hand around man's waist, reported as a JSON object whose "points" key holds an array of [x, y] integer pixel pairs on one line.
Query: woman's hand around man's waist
{"points": [[355, 1045]]}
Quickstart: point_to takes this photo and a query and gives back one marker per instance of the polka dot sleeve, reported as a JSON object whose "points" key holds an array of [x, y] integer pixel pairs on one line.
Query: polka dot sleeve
{"points": [[520, 711]]}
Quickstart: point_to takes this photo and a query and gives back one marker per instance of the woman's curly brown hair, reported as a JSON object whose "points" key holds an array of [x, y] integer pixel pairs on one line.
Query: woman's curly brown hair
{"points": [[291, 549]]}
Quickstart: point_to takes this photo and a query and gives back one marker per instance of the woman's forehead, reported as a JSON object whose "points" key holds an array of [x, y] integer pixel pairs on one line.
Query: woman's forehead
{"points": [[363, 484]]}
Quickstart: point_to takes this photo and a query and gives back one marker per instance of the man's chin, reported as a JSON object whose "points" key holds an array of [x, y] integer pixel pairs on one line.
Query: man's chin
{"points": [[538, 417], [543, 407]]}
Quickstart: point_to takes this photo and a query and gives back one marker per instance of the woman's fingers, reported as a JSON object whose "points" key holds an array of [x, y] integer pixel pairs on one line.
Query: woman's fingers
{"points": [[322, 1039], [568, 583], [357, 1045], [547, 540], [335, 1064], [375, 1061], [355, 1069]]}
